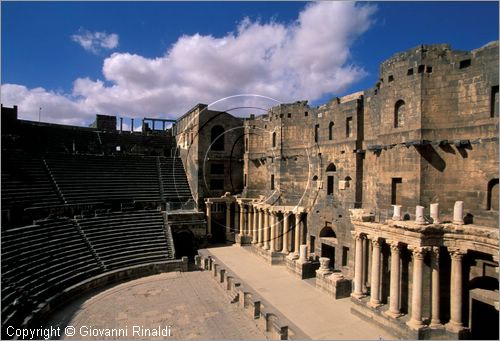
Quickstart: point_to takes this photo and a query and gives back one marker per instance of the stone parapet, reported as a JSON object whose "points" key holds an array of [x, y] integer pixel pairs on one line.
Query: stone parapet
{"points": [[301, 270], [271, 257], [267, 318], [334, 284]]}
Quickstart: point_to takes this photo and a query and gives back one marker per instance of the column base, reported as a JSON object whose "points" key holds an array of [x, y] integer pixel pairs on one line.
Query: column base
{"points": [[454, 327], [374, 304], [266, 247], [435, 324], [415, 324], [393, 315], [357, 296]]}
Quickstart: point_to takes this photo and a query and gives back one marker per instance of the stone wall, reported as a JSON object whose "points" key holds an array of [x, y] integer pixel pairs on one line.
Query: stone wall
{"points": [[426, 132], [211, 171]]}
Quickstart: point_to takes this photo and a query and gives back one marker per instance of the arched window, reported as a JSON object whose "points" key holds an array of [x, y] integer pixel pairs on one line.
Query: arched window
{"points": [[399, 113], [331, 168], [274, 139], [327, 231], [492, 199], [330, 131], [217, 138]]}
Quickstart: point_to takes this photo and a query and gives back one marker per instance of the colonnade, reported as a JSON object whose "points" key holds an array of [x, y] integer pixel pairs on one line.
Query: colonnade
{"points": [[417, 253], [268, 230]]}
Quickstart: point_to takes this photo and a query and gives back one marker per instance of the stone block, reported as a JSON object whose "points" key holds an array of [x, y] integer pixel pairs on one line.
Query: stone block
{"points": [[334, 284]]}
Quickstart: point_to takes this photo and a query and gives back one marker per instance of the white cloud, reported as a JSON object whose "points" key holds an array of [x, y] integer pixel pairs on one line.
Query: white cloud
{"points": [[302, 60], [95, 41]]}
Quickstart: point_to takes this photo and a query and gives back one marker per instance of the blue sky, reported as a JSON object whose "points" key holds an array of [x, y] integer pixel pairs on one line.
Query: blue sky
{"points": [[44, 65]]}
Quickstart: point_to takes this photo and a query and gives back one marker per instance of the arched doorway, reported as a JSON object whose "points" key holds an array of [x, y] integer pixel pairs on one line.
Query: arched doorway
{"points": [[328, 240]]}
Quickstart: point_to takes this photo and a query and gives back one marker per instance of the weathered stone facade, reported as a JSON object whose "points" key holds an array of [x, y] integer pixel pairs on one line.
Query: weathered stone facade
{"points": [[426, 133], [210, 144]]}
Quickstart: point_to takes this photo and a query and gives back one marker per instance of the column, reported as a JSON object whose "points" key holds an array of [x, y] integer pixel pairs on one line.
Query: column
{"points": [[266, 230], [297, 233], [302, 229], [455, 323], [260, 227], [419, 215], [375, 281], [228, 217], [435, 320], [237, 225], [279, 235], [394, 285], [435, 213], [249, 229], [255, 225], [273, 232], [358, 266], [416, 297], [242, 216], [364, 272], [458, 213], [209, 218], [286, 228], [397, 212]]}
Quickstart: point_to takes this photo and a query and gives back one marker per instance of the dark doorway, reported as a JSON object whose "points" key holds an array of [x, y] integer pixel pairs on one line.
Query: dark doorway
{"points": [[184, 244], [396, 191], [484, 321], [219, 230], [312, 241], [328, 251]]}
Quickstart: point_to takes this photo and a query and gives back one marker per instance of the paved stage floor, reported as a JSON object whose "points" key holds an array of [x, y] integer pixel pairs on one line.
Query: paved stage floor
{"points": [[191, 303], [314, 312]]}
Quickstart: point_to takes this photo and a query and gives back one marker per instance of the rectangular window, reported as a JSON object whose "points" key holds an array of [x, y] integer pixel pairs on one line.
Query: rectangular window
{"points": [[396, 190], [345, 255], [289, 115], [329, 187], [464, 63], [494, 101], [306, 113], [421, 68], [217, 168], [410, 72], [216, 184], [391, 78], [272, 181], [428, 69], [316, 133], [348, 127], [312, 241], [245, 181]]}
